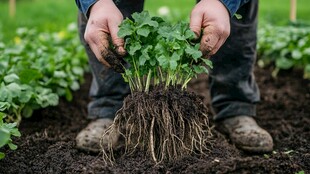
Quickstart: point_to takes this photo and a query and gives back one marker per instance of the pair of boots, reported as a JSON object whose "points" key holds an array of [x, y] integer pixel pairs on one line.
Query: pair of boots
{"points": [[242, 130]]}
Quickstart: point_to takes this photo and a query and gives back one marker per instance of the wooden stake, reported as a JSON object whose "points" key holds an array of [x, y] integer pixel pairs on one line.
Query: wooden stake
{"points": [[293, 11], [12, 8]]}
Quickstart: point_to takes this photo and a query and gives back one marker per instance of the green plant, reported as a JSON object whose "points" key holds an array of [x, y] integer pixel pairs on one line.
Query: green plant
{"points": [[288, 47], [160, 116], [160, 53], [35, 71], [6, 131]]}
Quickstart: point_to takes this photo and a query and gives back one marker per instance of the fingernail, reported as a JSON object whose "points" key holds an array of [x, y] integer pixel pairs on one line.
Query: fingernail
{"points": [[121, 51]]}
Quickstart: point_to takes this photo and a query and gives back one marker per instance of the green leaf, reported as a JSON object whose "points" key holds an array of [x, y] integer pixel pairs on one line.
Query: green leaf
{"points": [[63, 82], [15, 89], [173, 64], [296, 54], [5, 94], [53, 99], [75, 86], [2, 155], [78, 70], [60, 74], [4, 106], [125, 29], [28, 75], [25, 96], [2, 116], [284, 63], [144, 18], [165, 31], [174, 61], [4, 137], [11, 78], [189, 34], [12, 146], [193, 52], [238, 16], [200, 69], [134, 47], [142, 60], [144, 31], [207, 62], [307, 71], [162, 60], [15, 132], [27, 111], [307, 51], [176, 46], [68, 95]]}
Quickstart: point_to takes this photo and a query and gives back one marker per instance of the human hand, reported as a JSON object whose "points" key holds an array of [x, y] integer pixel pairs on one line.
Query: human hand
{"points": [[213, 17], [102, 26]]}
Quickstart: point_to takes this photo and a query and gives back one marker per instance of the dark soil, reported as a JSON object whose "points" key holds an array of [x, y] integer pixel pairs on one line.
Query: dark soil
{"points": [[47, 144], [116, 62]]}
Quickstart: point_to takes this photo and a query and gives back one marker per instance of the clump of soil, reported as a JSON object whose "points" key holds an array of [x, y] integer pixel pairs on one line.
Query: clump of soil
{"points": [[167, 124], [116, 61]]}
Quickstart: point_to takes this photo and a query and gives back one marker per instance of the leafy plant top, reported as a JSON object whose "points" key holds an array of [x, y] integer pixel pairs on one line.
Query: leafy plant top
{"points": [[160, 52]]}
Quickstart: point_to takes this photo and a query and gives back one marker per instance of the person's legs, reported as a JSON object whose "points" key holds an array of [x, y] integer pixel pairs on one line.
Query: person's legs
{"points": [[234, 92], [107, 89]]}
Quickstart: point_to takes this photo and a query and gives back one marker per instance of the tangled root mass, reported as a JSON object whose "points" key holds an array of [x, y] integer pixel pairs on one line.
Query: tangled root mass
{"points": [[166, 124]]}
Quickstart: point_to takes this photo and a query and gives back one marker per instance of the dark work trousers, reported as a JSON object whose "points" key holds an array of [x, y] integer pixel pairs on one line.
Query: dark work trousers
{"points": [[232, 85]]}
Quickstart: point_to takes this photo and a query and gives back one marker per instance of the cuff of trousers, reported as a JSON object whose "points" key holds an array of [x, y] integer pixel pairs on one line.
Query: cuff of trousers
{"points": [[231, 109], [103, 108], [104, 112]]}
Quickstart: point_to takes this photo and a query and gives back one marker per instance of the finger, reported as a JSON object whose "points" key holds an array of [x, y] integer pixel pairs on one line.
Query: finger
{"points": [[208, 41], [117, 41], [99, 44], [195, 23], [217, 47]]}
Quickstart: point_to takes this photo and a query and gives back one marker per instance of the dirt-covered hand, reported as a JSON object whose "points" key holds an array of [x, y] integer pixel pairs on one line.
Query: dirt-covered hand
{"points": [[103, 22], [213, 18]]}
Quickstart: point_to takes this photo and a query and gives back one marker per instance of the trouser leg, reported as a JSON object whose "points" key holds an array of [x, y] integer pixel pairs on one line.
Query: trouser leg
{"points": [[232, 85], [108, 88]]}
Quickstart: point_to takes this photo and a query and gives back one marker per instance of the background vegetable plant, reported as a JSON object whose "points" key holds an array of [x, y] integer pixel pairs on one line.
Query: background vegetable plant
{"points": [[287, 47], [35, 71]]}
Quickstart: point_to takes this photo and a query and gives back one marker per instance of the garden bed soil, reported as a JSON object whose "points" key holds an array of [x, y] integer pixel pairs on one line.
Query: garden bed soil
{"points": [[47, 144]]}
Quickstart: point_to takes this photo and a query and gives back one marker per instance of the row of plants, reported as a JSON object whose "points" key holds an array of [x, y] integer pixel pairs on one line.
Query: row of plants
{"points": [[286, 47], [35, 70]]}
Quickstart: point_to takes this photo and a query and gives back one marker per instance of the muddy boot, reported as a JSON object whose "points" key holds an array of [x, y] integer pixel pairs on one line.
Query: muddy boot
{"points": [[89, 138], [246, 134]]}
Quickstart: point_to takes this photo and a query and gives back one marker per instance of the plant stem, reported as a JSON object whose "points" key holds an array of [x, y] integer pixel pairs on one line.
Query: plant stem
{"points": [[147, 85]]}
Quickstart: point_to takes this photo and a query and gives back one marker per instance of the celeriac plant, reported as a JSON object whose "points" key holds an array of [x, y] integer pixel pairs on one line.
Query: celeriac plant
{"points": [[160, 52]]}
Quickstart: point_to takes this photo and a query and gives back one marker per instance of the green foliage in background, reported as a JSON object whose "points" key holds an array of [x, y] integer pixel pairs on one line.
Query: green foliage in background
{"points": [[43, 15], [287, 47], [35, 71]]}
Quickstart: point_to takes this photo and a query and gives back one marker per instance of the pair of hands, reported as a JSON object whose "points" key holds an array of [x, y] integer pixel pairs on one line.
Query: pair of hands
{"points": [[104, 19]]}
